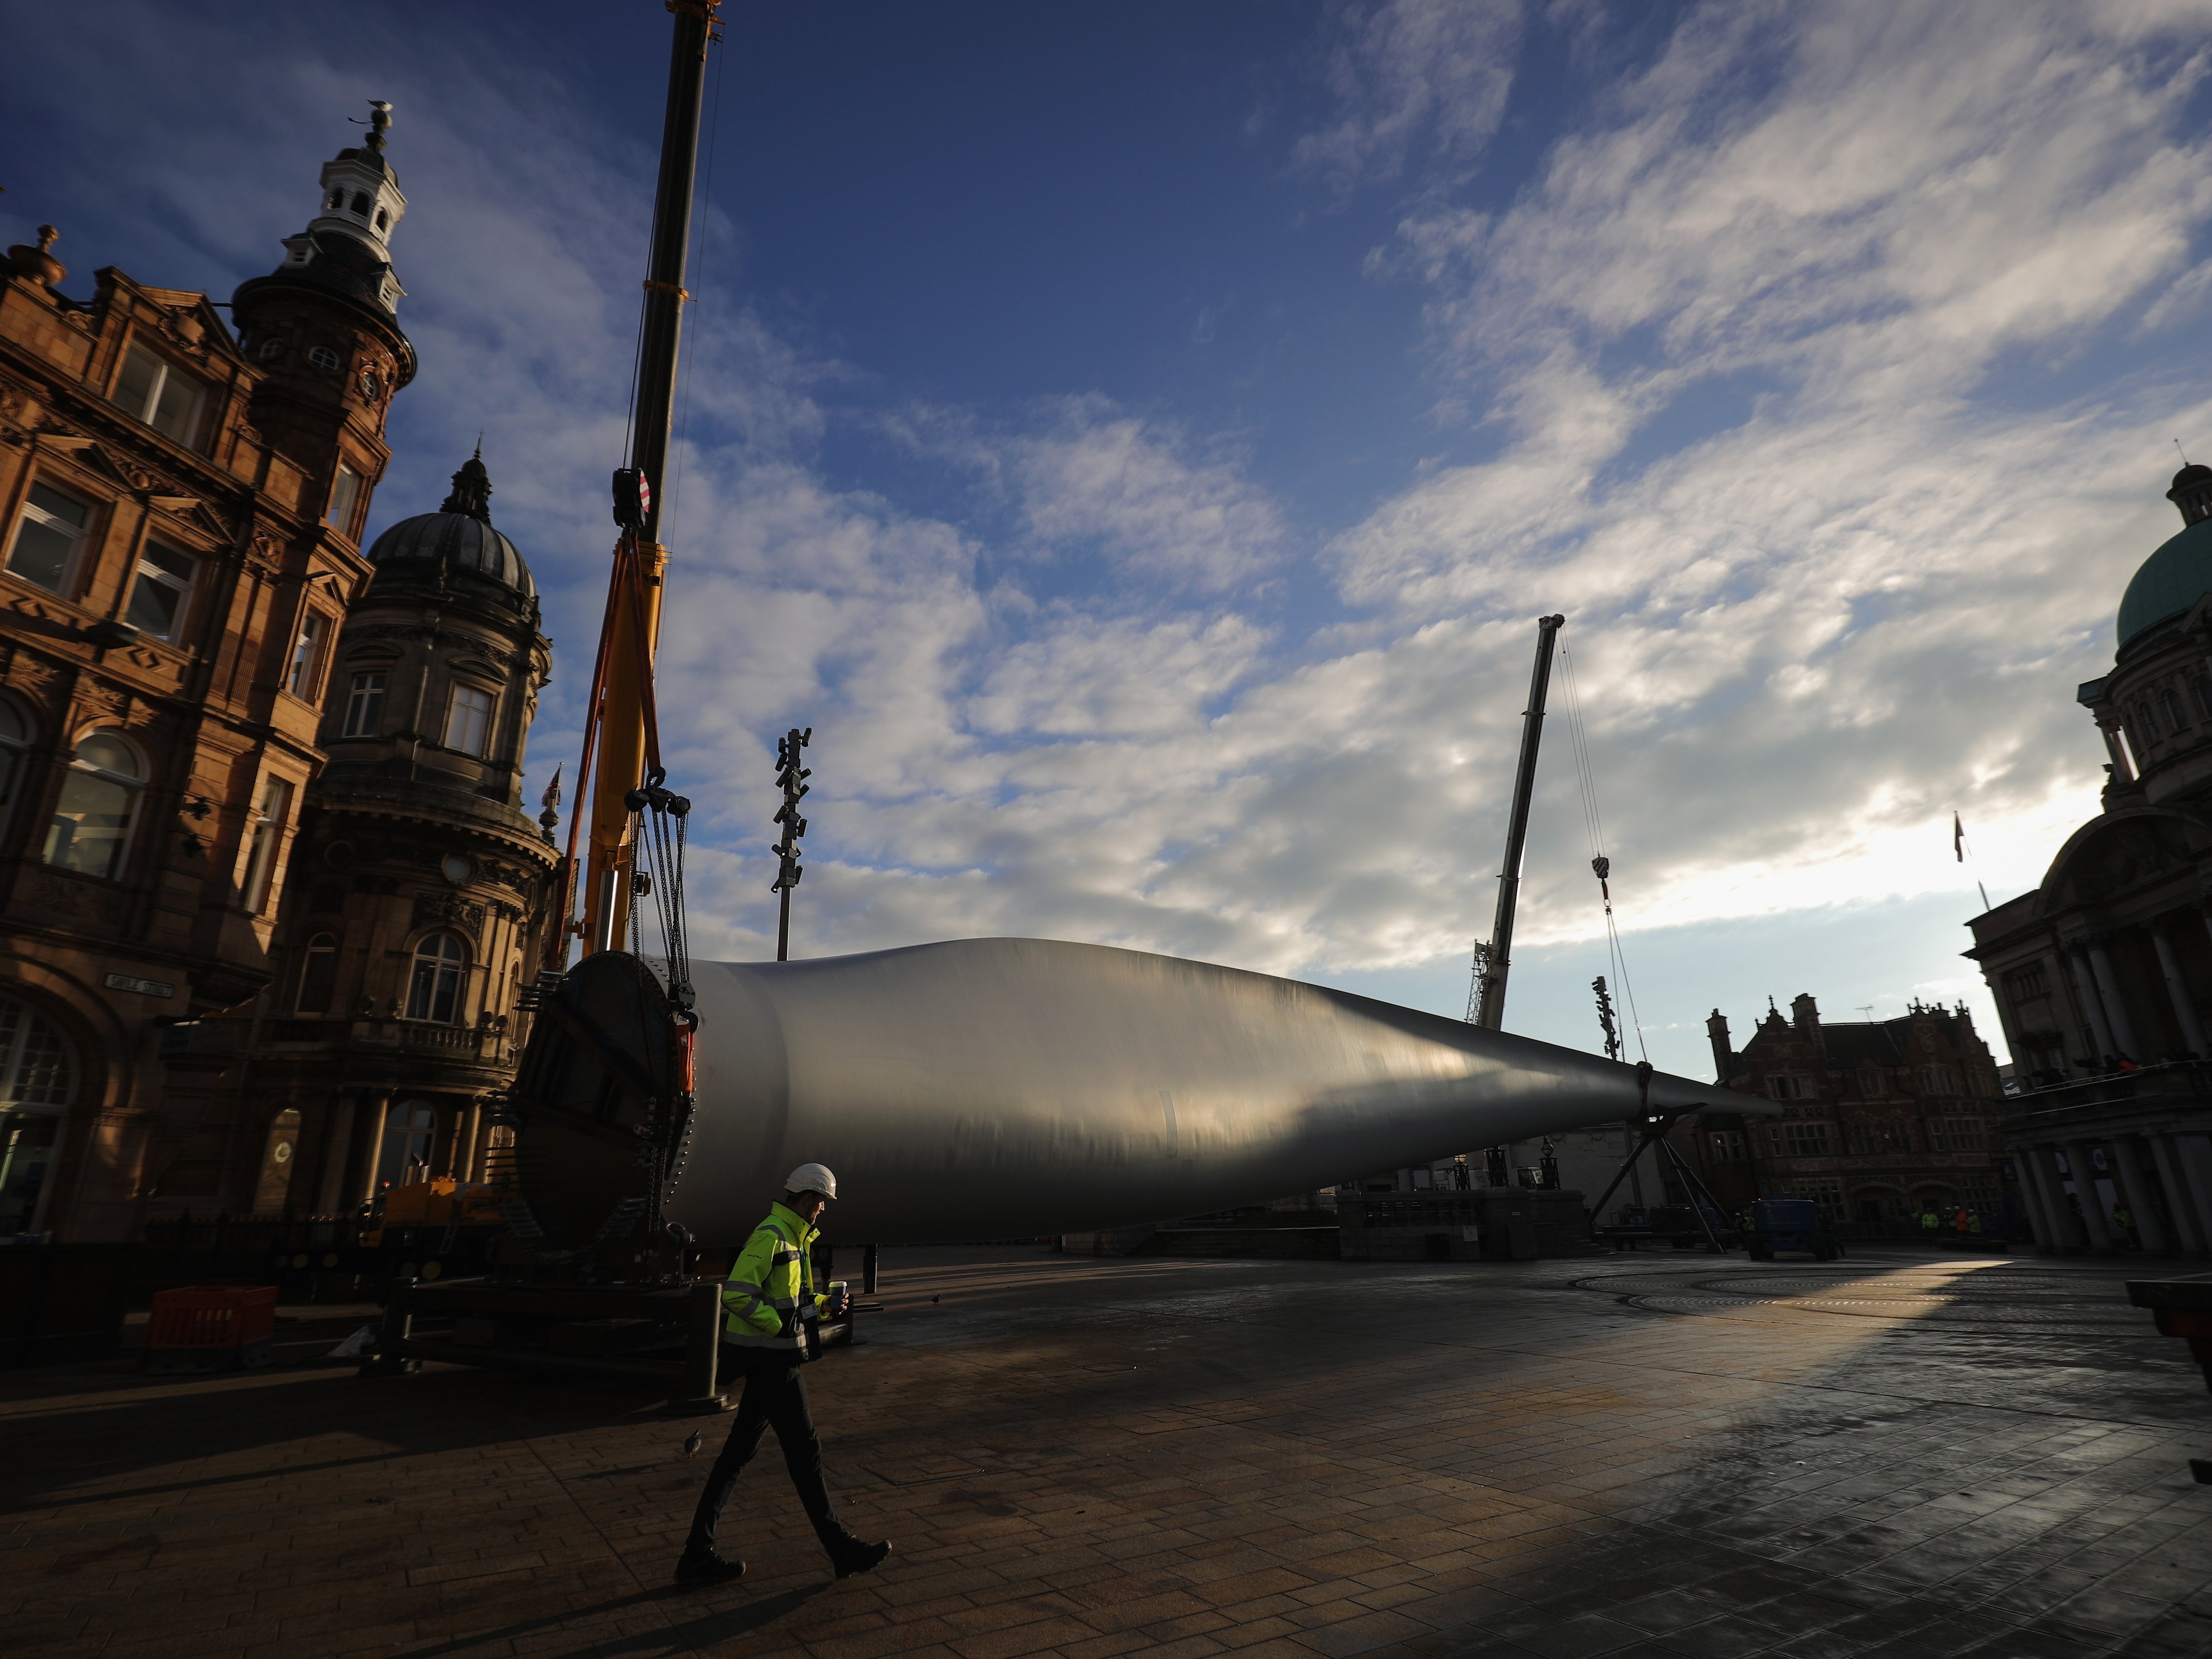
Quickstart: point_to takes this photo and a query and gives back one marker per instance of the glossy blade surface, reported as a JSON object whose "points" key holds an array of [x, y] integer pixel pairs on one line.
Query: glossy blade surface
{"points": [[1001, 1088]]}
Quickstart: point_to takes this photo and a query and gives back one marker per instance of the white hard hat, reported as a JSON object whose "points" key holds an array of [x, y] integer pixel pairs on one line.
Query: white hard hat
{"points": [[811, 1178]]}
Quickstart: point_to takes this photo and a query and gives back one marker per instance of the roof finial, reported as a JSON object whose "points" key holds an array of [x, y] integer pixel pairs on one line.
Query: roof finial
{"points": [[379, 122], [471, 489]]}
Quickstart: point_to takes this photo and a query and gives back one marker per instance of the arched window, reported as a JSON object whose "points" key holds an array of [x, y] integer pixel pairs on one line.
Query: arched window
{"points": [[99, 801], [433, 992], [14, 755], [37, 1077], [409, 1130], [360, 203], [319, 976], [336, 201], [383, 218]]}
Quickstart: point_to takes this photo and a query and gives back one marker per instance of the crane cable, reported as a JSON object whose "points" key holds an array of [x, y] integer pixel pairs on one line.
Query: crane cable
{"points": [[1594, 826]]}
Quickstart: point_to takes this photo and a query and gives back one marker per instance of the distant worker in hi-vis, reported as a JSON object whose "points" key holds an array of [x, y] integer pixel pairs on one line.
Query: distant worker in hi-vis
{"points": [[771, 1303]]}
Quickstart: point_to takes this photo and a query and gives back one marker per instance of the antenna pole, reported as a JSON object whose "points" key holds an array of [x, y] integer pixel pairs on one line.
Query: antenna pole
{"points": [[1490, 1010]]}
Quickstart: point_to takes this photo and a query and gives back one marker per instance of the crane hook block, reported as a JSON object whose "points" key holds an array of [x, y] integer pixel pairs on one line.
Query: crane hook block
{"points": [[633, 497]]}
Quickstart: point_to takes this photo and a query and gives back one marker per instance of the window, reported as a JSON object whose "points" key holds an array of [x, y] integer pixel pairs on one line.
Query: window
{"points": [[99, 799], [383, 218], [168, 399], [268, 834], [1799, 1139], [1789, 1088], [319, 976], [1938, 1139], [1938, 1081], [2147, 721], [1727, 1145], [37, 1077], [360, 203], [468, 719], [408, 1133], [2025, 984], [365, 705], [271, 349], [14, 754], [336, 201], [1825, 1191], [323, 358], [434, 993], [307, 656], [2176, 717], [344, 490], [1871, 1084], [2204, 696], [157, 597], [46, 538], [1865, 1139]]}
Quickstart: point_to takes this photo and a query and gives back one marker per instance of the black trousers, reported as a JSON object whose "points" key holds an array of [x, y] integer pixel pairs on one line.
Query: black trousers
{"points": [[774, 1398]]}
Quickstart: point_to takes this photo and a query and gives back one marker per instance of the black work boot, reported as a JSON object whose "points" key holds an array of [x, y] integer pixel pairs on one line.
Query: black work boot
{"points": [[702, 1566], [849, 1555]]}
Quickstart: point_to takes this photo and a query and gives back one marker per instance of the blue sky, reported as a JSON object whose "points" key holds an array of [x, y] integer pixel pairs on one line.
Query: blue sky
{"points": [[1140, 439]]}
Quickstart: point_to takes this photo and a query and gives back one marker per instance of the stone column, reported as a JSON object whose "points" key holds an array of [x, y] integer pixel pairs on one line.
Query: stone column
{"points": [[337, 1152], [2093, 1005], [2047, 1235], [2111, 729], [2084, 1188], [2184, 1009], [465, 1136], [2148, 1228], [380, 1110], [2064, 1015], [2188, 1219], [2116, 1012], [2193, 1154], [2065, 1232]]}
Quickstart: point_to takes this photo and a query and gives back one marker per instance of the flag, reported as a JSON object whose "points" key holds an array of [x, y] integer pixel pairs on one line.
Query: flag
{"points": [[1957, 838]]}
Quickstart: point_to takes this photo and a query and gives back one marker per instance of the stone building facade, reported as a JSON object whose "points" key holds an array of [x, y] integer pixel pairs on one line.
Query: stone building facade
{"points": [[180, 513], [1880, 1120], [423, 900], [2103, 972]]}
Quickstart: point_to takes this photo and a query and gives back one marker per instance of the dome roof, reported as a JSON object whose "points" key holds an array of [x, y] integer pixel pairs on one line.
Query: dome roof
{"points": [[459, 536], [2179, 574]]}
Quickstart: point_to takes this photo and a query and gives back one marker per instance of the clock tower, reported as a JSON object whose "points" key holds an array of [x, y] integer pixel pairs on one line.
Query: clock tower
{"points": [[323, 330]]}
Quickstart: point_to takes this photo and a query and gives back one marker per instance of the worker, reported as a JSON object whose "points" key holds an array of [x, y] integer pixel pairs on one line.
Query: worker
{"points": [[769, 1303]]}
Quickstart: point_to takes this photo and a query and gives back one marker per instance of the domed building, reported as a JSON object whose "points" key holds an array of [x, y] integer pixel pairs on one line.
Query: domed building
{"points": [[2103, 973], [423, 893]]}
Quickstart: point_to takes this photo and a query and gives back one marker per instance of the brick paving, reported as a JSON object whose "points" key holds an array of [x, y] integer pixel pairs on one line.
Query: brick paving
{"points": [[1632, 1456]]}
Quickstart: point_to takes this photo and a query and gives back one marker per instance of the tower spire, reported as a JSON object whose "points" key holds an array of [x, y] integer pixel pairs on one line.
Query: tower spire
{"points": [[471, 491]]}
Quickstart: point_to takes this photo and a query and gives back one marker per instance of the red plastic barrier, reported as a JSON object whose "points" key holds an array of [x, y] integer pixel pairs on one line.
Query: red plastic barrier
{"points": [[212, 1316]]}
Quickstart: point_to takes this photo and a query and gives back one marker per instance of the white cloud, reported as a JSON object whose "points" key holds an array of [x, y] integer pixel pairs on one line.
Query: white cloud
{"points": [[1789, 358], [1417, 82]]}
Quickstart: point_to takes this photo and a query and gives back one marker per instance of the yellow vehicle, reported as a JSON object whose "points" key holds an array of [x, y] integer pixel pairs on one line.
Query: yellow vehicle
{"points": [[441, 1202]]}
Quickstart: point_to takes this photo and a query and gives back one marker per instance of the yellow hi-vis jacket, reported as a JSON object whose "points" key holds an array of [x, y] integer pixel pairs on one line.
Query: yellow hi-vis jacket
{"points": [[771, 1286]]}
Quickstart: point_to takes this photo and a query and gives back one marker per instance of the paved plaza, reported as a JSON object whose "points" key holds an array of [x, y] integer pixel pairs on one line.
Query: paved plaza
{"points": [[1904, 1454]]}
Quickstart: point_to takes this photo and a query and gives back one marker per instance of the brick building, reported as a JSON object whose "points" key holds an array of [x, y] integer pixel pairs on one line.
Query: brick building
{"points": [[1879, 1119], [183, 504]]}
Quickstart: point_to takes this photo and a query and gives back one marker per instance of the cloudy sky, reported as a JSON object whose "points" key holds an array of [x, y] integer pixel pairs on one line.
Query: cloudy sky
{"points": [[1139, 439]]}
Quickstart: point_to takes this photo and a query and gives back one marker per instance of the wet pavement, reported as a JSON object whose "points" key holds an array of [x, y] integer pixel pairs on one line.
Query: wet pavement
{"points": [[1901, 1454]]}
